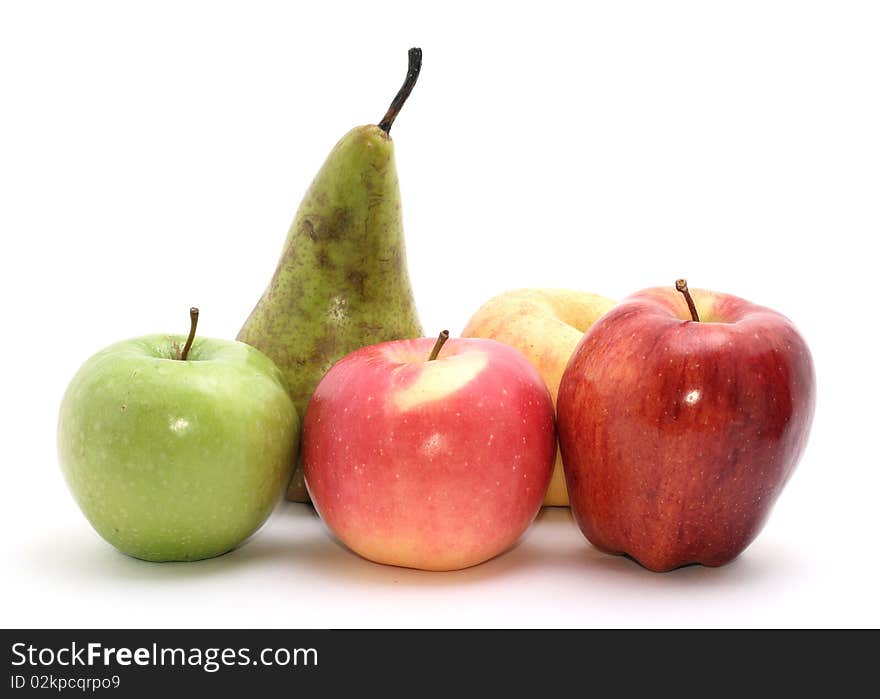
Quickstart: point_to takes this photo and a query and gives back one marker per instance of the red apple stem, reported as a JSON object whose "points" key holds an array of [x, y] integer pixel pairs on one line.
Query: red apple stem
{"points": [[441, 340], [412, 75], [682, 286], [193, 322]]}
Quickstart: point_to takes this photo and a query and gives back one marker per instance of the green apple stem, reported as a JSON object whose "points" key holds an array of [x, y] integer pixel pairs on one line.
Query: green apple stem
{"points": [[412, 75], [682, 286], [441, 339], [193, 322]]}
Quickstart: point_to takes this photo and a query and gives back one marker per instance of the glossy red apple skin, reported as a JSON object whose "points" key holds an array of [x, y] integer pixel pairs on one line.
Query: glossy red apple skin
{"points": [[438, 483], [676, 436]]}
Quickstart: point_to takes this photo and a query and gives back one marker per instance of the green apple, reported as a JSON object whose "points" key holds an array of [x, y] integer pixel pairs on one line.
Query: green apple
{"points": [[177, 454]]}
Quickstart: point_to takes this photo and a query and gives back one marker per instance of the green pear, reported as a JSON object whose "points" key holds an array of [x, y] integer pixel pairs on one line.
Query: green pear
{"points": [[342, 281]]}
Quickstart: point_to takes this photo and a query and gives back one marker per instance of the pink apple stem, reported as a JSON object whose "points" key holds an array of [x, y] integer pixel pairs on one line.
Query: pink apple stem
{"points": [[193, 322], [441, 339], [412, 75], [682, 286]]}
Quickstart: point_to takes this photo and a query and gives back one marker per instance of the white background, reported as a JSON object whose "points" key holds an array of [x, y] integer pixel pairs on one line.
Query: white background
{"points": [[153, 154]]}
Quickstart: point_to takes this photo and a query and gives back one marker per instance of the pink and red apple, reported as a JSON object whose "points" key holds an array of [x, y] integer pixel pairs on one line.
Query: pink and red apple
{"points": [[438, 464], [678, 436]]}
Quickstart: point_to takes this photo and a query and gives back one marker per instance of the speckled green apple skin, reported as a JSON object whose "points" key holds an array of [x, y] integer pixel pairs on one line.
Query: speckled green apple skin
{"points": [[342, 280], [176, 460]]}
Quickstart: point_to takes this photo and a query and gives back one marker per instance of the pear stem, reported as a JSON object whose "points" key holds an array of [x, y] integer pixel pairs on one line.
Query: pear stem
{"points": [[412, 75], [682, 286], [441, 339], [193, 322]]}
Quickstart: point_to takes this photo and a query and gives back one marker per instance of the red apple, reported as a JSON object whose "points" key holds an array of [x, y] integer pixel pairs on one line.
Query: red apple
{"points": [[434, 464], [677, 436]]}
